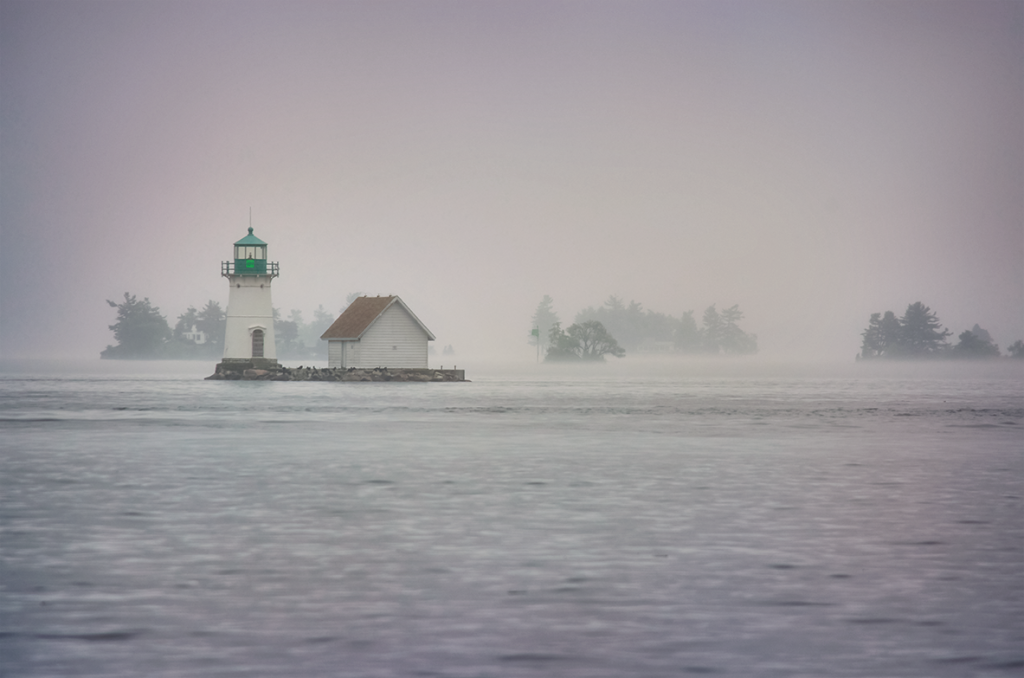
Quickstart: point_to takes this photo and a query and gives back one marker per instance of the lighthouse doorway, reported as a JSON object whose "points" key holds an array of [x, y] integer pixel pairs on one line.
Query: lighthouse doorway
{"points": [[257, 343]]}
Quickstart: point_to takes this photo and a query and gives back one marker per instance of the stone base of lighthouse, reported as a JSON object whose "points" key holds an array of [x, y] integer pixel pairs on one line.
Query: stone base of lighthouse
{"points": [[239, 365]]}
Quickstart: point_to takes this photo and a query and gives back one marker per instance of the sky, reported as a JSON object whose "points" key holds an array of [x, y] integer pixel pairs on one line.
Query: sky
{"points": [[813, 162]]}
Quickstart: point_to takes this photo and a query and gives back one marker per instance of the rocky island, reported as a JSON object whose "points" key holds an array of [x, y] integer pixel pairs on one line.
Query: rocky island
{"points": [[247, 371]]}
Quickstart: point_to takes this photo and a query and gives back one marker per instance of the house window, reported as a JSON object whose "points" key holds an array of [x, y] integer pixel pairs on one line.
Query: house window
{"points": [[257, 343]]}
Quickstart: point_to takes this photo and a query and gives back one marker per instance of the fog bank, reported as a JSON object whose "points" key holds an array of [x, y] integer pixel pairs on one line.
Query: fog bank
{"points": [[811, 162]]}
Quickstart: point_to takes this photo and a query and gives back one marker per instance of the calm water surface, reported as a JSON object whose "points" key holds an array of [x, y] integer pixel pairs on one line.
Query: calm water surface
{"points": [[624, 521]]}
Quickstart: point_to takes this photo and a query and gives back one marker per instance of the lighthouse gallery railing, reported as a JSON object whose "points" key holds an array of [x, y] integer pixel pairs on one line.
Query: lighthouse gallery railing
{"points": [[228, 268]]}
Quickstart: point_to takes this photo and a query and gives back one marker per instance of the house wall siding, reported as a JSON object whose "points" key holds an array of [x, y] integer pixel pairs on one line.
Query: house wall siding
{"points": [[335, 353], [394, 340]]}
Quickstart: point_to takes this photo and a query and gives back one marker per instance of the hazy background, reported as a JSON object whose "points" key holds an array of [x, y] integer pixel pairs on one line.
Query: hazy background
{"points": [[811, 161]]}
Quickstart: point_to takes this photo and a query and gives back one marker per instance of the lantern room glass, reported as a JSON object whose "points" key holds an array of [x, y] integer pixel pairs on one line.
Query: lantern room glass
{"points": [[250, 251]]}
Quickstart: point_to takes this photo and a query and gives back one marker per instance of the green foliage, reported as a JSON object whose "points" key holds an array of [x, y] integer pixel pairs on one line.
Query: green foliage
{"points": [[594, 341], [582, 341], [636, 328], [286, 336], [321, 321], [649, 331], [140, 330], [348, 301], [310, 333], [882, 337], [721, 334], [973, 345], [561, 346], [299, 340], [687, 338], [212, 321], [186, 321], [544, 318], [919, 334]]}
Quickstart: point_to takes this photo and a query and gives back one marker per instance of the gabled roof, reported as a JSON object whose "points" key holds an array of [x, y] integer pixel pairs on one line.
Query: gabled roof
{"points": [[250, 239], [362, 313]]}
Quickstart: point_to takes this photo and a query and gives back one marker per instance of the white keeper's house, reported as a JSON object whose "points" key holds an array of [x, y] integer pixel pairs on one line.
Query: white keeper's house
{"points": [[377, 332]]}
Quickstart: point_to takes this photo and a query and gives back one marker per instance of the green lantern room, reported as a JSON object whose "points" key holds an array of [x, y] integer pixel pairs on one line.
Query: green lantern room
{"points": [[250, 256]]}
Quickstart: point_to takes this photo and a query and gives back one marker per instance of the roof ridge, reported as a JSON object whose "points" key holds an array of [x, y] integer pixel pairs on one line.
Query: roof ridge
{"points": [[362, 313]]}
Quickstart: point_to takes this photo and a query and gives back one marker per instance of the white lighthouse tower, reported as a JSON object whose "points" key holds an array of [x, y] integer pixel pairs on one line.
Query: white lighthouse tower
{"points": [[249, 336]]}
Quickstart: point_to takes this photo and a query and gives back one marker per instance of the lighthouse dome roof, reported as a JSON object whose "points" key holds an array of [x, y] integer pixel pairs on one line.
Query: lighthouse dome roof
{"points": [[250, 239]]}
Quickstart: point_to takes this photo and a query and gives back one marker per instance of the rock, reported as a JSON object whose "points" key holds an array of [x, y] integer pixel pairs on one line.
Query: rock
{"points": [[281, 373]]}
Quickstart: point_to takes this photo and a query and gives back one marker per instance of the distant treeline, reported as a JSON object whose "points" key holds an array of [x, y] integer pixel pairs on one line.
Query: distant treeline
{"points": [[919, 334], [143, 333], [634, 329]]}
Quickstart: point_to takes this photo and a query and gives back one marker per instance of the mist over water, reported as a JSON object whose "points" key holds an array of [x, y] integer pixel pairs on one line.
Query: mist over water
{"points": [[636, 519], [811, 162]]}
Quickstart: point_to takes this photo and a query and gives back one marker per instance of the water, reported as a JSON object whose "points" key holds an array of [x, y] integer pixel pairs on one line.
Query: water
{"points": [[632, 520]]}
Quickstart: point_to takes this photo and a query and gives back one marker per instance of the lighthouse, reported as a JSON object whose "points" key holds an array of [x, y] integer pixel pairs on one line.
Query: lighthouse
{"points": [[249, 336]]}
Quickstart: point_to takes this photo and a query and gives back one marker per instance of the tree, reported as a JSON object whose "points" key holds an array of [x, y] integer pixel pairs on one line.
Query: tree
{"points": [[296, 344], [713, 330], [561, 346], [721, 333], [982, 333], [321, 318], [348, 301], [613, 303], [213, 322], [186, 321], [882, 337], [635, 328], [921, 333], [311, 337], [582, 341], [735, 340], [1016, 349], [179, 347], [594, 341], [543, 320], [975, 345], [286, 334], [687, 337], [918, 334], [140, 330]]}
